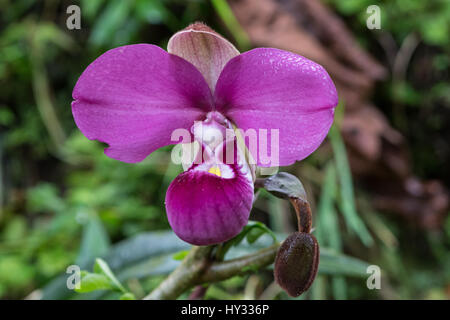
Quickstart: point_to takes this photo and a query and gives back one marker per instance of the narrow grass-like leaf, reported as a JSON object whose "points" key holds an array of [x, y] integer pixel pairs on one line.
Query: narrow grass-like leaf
{"points": [[328, 225], [319, 288], [347, 201], [339, 287], [325, 229], [91, 7], [333, 263], [110, 21], [226, 14]]}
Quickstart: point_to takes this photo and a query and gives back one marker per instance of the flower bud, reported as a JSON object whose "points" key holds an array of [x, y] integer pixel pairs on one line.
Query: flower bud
{"points": [[296, 263]]}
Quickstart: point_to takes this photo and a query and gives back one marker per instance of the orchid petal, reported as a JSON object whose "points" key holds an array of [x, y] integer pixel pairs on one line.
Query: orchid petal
{"points": [[133, 98], [277, 90], [204, 48], [205, 209]]}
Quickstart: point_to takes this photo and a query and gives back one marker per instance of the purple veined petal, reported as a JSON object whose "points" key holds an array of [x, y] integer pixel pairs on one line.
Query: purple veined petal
{"points": [[204, 48], [134, 97], [204, 208], [272, 89]]}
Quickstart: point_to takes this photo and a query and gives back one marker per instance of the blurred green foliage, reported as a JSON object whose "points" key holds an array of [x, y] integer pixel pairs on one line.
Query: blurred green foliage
{"points": [[419, 95], [429, 18], [63, 202]]}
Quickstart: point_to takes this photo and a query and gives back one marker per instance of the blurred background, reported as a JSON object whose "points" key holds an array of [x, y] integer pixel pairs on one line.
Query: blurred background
{"points": [[378, 185]]}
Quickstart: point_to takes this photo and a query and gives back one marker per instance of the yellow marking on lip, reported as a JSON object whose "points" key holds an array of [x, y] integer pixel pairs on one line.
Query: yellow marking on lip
{"points": [[215, 170]]}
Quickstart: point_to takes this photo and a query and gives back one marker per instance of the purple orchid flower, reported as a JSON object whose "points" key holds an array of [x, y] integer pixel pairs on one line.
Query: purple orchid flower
{"points": [[134, 97]]}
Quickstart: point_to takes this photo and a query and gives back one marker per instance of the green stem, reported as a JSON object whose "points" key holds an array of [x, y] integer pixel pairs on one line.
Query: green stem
{"points": [[183, 277], [219, 271], [197, 269]]}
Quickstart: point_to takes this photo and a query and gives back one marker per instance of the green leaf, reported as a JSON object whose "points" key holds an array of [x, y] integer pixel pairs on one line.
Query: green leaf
{"points": [[127, 296], [333, 263], [91, 7], [150, 267], [328, 225], [102, 279], [347, 203], [285, 185], [93, 281], [226, 14], [44, 197], [144, 246], [180, 255], [328, 232], [140, 257], [155, 12], [251, 268], [254, 234], [50, 33], [15, 230], [127, 254], [260, 229], [113, 18], [101, 267], [6, 116], [339, 286], [435, 30], [95, 241], [252, 231], [350, 7]]}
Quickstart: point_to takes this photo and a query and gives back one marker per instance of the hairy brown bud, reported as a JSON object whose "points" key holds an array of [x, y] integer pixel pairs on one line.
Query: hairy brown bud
{"points": [[296, 263]]}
